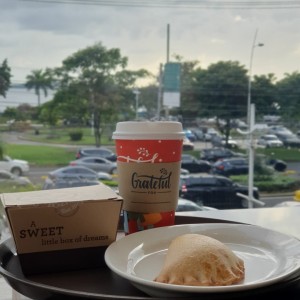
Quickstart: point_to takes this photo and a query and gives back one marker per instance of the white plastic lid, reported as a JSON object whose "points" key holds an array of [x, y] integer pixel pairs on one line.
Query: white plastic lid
{"points": [[134, 130]]}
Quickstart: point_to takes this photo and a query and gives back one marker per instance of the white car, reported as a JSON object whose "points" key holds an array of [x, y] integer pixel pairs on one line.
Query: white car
{"points": [[188, 205], [219, 141], [269, 141], [279, 129], [17, 167]]}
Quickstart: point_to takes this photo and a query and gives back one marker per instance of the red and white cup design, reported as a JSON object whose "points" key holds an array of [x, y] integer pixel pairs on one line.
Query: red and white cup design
{"points": [[149, 162]]}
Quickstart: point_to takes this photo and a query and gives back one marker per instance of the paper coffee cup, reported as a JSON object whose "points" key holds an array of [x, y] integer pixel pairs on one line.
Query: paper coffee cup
{"points": [[149, 163]]}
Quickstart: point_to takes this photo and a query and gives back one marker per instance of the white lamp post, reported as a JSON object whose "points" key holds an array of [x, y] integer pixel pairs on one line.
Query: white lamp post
{"points": [[251, 148], [254, 45], [251, 125]]}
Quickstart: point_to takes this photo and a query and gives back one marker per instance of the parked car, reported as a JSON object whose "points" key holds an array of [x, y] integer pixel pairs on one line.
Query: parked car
{"points": [[95, 163], [231, 166], [211, 132], [7, 177], [194, 165], [190, 135], [184, 171], [17, 167], [188, 205], [67, 182], [220, 141], [200, 134], [287, 204], [214, 154], [187, 144], [71, 176], [278, 164], [101, 151], [239, 166], [269, 141], [289, 140], [75, 172], [279, 129], [104, 176], [215, 191]]}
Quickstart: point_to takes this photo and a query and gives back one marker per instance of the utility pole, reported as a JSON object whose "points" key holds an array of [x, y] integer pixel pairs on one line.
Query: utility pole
{"points": [[159, 94], [168, 43], [168, 59]]}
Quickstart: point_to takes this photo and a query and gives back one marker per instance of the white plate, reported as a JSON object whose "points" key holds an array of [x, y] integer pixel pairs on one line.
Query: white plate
{"points": [[269, 256]]}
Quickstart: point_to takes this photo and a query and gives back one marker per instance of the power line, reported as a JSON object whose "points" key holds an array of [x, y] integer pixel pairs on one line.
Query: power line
{"points": [[188, 4]]}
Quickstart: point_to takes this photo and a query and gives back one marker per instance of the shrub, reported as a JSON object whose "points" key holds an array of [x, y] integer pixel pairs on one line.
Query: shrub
{"points": [[76, 135], [2, 150], [260, 167], [271, 183], [278, 185]]}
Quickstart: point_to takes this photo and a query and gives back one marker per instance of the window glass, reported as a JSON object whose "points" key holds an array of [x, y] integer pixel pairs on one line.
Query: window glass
{"points": [[99, 161], [71, 90]]}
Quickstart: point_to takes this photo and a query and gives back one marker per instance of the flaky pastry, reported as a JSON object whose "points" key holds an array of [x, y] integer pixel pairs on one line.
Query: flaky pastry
{"points": [[199, 260]]}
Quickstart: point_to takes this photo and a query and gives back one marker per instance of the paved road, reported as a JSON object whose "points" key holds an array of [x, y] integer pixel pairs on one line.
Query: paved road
{"points": [[16, 138], [37, 175]]}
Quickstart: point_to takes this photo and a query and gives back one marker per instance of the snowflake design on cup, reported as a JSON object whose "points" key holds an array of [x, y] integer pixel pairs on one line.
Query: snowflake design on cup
{"points": [[144, 157], [143, 151]]}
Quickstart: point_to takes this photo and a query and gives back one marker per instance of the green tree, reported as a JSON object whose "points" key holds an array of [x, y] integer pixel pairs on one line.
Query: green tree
{"points": [[126, 82], [103, 80], [40, 81], [5, 77], [11, 113], [264, 95], [148, 98], [48, 113], [190, 73], [222, 92], [69, 104], [21, 113], [289, 96]]}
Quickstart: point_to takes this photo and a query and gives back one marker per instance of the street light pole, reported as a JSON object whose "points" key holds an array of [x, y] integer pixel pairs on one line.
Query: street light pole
{"points": [[251, 124], [250, 76]]}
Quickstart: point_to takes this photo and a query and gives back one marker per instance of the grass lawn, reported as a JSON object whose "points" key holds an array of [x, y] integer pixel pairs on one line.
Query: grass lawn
{"points": [[281, 153], [276, 183], [41, 155], [53, 155], [61, 136]]}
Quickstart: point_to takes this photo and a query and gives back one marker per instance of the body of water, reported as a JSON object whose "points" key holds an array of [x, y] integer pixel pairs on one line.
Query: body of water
{"points": [[20, 95]]}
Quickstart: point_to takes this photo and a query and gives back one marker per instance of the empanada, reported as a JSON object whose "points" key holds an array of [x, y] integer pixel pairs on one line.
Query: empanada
{"points": [[199, 260]]}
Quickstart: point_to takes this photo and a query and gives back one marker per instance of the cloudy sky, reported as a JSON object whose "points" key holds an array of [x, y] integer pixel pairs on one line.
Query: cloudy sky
{"points": [[39, 34]]}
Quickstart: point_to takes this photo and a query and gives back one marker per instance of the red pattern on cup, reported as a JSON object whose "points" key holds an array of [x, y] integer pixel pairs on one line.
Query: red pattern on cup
{"points": [[148, 151]]}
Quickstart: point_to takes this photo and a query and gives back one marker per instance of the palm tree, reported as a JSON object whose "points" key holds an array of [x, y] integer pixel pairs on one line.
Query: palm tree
{"points": [[39, 80], [5, 77]]}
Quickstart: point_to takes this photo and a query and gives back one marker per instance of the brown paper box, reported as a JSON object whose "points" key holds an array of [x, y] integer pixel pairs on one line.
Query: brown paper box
{"points": [[62, 229]]}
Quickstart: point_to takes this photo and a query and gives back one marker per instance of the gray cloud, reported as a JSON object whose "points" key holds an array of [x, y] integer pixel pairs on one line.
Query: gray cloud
{"points": [[38, 35]]}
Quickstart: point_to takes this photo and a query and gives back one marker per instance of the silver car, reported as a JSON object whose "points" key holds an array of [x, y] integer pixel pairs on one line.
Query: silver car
{"points": [[7, 177], [70, 177], [269, 141], [96, 163]]}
